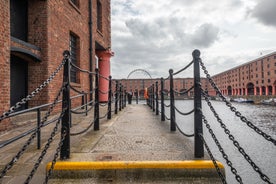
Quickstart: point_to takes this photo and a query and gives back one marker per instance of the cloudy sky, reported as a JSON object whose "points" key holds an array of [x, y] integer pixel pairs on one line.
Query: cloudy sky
{"points": [[156, 35]]}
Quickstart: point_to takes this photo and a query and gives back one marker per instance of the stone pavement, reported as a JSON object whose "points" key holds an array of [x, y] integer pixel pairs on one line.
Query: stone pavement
{"points": [[135, 134]]}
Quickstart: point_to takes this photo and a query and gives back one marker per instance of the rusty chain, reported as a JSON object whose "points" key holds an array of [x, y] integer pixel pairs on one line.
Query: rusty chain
{"points": [[213, 159], [233, 109], [29, 141], [235, 142]]}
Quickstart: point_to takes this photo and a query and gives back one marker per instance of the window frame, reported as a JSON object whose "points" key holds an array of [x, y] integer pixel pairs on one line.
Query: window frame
{"points": [[75, 53], [99, 16]]}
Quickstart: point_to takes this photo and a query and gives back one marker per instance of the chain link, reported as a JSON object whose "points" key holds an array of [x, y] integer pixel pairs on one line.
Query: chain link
{"points": [[233, 109], [213, 159], [224, 155], [33, 93], [236, 143], [29, 141], [44, 151], [49, 173]]}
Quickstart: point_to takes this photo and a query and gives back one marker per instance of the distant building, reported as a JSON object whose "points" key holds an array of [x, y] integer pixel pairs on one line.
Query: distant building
{"points": [[34, 34], [256, 78], [180, 85]]}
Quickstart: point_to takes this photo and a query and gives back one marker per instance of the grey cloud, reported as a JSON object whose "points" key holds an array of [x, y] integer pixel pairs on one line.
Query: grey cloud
{"points": [[265, 12], [205, 35]]}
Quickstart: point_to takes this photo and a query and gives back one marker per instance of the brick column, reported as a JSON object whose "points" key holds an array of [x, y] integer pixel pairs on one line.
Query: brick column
{"points": [[4, 61], [104, 70], [261, 90], [255, 91], [266, 90], [273, 90]]}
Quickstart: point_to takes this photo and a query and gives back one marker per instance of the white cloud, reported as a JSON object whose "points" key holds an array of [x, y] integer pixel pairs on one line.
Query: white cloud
{"points": [[159, 35]]}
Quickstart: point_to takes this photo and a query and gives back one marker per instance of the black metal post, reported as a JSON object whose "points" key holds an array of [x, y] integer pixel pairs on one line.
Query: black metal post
{"points": [[150, 97], [199, 149], [85, 99], [136, 94], [125, 98], [82, 100], [162, 100], [116, 97], [66, 105], [120, 95], [96, 107], [156, 99], [173, 126], [109, 98], [153, 102], [38, 129]]}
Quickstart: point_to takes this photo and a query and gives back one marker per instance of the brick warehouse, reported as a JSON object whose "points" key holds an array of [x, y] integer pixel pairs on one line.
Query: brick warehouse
{"points": [[254, 78], [34, 34], [180, 85]]}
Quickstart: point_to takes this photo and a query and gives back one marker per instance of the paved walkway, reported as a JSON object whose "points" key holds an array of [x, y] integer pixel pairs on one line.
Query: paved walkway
{"points": [[135, 134]]}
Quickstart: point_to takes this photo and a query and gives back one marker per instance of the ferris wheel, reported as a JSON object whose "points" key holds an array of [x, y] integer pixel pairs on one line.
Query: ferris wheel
{"points": [[139, 73]]}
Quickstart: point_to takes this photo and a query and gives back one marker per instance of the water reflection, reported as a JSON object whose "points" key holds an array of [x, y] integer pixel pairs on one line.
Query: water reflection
{"points": [[262, 152]]}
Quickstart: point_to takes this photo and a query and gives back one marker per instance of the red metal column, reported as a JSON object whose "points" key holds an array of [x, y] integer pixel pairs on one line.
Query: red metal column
{"points": [[104, 71]]}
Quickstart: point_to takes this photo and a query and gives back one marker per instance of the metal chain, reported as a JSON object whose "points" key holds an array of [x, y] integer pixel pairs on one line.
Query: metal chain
{"points": [[49, 173], [33, 93], [44, 151], [213, 160], [29, 141], [233, 109], [224, 155], [236, 143]]}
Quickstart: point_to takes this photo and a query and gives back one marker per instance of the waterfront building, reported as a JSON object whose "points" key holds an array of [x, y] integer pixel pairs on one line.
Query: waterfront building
{"points": [[34, 34], [180, 85], [254, 78]]}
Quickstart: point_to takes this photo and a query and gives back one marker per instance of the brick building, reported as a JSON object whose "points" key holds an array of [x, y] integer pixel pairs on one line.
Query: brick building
{"points": [[254, 78], [180, 85], [34, 34]]}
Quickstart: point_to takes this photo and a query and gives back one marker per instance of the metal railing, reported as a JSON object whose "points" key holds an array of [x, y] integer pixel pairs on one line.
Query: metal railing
{"points": [[200, 118], [62, 117]]}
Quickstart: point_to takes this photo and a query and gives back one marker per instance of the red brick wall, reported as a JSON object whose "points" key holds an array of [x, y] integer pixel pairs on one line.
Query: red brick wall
{"points": [[37, 35], [260, 72], [49, 26], [4, 60], [104, 37]]}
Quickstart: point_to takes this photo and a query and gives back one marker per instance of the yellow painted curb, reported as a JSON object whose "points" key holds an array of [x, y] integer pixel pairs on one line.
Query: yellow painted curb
{"points": [[97, 165]]}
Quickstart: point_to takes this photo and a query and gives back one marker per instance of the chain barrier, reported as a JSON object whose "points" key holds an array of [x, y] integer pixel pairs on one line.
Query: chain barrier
{"points": [[83, 131], [44, 151], [82, 70], [29, 141], [33, 93], [233, 109], [235, 142], [213, 160], [184, 68], [184, 92], [49, 173], [224, 155]]}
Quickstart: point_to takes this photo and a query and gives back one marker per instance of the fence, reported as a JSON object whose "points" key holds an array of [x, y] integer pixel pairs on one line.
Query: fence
{"points": [[200, 119], [63, 116]]}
